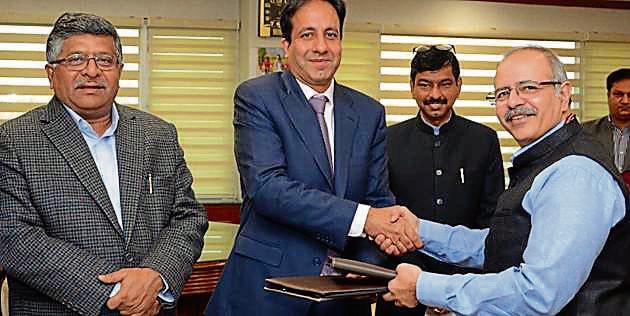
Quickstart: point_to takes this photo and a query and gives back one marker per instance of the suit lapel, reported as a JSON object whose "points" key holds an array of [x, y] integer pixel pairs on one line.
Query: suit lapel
{"points": [[346, 121], [605, 137], [305, 122], [130, 155], [65, 136]]}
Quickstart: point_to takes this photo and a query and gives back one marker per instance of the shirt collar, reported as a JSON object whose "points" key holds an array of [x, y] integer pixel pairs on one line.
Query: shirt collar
{"points": [[86, 128], [310, 92], [528, 146], [615, 126], [436, 129]]}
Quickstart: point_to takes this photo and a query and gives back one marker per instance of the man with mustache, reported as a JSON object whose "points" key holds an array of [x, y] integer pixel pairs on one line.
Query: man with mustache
{"points": [[311, 157], [613, 130], [97, 214], [558, 240], [443, 167]]}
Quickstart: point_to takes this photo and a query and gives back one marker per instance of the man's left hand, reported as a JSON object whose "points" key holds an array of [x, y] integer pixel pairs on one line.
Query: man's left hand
{"points": [[139, 288], [402, 289]]}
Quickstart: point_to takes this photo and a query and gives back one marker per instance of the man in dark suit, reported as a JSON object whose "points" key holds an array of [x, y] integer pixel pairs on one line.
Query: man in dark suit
{"points": [[613, 130], [311, 156], [443, 167], [97, 214]]}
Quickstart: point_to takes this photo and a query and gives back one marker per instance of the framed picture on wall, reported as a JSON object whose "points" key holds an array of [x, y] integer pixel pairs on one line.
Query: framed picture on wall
{"points": [[269, 18], [271, 59]]}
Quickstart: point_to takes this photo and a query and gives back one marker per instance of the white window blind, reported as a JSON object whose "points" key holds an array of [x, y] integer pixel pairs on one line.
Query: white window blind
{"points": [[359, 67], [598, 60], [478, 58], [23, 81], [192, 80]]}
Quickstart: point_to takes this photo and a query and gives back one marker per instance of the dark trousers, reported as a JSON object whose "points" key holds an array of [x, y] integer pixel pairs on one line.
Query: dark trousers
{"points": [[341, 308], [389, 309]]}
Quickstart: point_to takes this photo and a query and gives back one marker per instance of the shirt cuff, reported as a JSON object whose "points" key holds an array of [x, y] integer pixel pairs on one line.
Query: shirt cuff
{"points": [[166, 295], [431, 289], [433, 236], [358, 222]]}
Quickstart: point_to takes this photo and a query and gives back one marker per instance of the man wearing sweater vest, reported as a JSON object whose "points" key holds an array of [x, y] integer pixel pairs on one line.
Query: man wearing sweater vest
{"points": [[558, 238]]}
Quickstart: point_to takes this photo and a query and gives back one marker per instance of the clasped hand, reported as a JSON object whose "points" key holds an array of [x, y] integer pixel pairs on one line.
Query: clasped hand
{"points": [[139, 288], [394, 229]]}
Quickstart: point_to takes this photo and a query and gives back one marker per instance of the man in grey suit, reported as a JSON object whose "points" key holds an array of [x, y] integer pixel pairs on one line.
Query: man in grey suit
{"points": [[613, 130], [97, 214]]}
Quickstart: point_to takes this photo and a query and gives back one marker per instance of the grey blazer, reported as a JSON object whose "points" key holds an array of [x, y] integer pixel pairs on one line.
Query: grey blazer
{"points": [[58, 229], [602, 130]]}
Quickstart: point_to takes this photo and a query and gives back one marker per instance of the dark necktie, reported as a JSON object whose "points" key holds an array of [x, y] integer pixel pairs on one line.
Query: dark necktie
{"points": [[318, 102]]}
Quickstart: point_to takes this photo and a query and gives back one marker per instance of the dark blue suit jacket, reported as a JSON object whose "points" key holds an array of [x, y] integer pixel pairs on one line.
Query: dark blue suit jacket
{"points": [[292, 210]]}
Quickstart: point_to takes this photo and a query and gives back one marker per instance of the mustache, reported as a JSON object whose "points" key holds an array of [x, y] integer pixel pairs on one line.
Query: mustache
{"points": [[430, 100], [519, 111], [82, 83]]}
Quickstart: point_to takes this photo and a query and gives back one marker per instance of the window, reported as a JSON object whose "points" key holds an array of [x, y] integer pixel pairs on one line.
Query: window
{"points": [[192, 80], [359, 67]]}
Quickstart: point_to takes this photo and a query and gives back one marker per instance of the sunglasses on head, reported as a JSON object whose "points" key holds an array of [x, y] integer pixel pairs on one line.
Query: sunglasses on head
{"points": [[441, 47]]}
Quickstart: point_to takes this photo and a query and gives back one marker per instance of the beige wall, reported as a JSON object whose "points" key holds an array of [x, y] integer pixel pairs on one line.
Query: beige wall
{"points": [[192, 9], [441, 16], [456, 17]]}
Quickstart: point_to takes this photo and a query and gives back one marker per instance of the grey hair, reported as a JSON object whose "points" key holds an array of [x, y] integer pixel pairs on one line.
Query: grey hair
{"points": [[73, 23], [558, 72]]}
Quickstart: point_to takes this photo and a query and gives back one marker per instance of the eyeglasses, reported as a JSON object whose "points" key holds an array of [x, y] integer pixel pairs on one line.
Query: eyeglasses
{"points": [[80, 61], [524, 89], [441, 47]]}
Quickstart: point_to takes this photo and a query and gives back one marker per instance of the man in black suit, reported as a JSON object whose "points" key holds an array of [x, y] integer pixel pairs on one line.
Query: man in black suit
{"points": [[442, 167]]}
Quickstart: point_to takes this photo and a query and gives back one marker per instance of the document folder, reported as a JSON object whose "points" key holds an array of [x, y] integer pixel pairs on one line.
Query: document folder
{"points": [[372, 280]]}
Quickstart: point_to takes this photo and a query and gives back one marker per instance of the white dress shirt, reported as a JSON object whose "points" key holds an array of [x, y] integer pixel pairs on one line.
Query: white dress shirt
{"points": [[360, 216]]}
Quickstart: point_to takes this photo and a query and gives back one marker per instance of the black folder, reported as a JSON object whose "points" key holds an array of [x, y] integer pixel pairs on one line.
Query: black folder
{"points": [[372, 280]]}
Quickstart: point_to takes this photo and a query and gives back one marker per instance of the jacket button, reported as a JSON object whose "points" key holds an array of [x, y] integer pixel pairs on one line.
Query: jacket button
{"points": [[439, 201], [317, 261], [436, 144], [438, 172], [129, 257]]}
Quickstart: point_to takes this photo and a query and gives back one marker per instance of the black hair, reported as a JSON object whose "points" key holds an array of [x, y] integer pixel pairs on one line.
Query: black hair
{"points": [[433, 59], [615, 76], [292, 6]]}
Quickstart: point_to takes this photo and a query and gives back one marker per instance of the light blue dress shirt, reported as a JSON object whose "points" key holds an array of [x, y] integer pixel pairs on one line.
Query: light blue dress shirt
{"points": [[569, 229], [103, 150]]}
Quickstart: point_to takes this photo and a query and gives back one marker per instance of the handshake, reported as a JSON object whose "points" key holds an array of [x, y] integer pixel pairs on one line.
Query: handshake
{"points": [[394, 229]]}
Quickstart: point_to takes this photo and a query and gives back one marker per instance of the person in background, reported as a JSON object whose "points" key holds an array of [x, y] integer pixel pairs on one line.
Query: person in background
{"points": [[97, 214], [558, 238], [278, 64], [613, 130], [443, 167], [313, 168]]}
